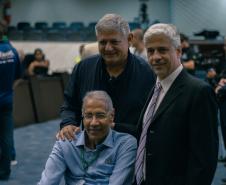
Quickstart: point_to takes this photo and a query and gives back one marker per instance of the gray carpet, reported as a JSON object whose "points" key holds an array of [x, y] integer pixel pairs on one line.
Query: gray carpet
{"points": [[33, 145]]}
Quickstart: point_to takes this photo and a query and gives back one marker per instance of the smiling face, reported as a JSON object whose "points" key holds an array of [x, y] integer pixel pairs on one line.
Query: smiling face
{"points": [[162, 55], [113, 47], [97, 120]]}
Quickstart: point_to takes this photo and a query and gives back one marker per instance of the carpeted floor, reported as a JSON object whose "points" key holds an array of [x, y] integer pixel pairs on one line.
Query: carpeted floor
{"points": [[33, 145]]}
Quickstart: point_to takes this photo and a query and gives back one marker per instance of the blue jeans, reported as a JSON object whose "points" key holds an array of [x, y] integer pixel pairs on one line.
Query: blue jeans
{"points": [[6, 139]]}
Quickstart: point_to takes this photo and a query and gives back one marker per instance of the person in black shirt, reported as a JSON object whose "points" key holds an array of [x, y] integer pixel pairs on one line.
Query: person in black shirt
{"points": [[126, 78], [187, 57]]}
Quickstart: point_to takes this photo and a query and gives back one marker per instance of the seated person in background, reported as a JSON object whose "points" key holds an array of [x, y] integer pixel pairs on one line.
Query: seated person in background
{"points": [[99, 155], [39, 65], [137, 44], [35, 64], [187, 55]]}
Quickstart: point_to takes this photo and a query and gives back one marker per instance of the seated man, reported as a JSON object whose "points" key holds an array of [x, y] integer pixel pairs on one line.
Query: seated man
{"points": [[99, 155]]}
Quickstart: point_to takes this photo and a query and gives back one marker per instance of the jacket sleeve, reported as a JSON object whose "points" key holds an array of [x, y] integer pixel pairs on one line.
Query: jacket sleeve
{"points": [[71, 109], [203, 138]]}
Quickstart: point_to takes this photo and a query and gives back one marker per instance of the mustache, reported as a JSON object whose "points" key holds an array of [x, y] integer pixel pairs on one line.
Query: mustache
{"points": [[94, 129], [158, 63], [109, 53]]}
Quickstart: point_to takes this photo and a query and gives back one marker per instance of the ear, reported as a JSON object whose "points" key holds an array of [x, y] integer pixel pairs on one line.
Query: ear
{"points": [[112, 115], [179, 52], [130, 37]]}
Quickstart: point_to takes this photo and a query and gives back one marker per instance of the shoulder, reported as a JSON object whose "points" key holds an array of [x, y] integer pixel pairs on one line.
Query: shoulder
{"points": [[140, 67], [196, 82], [88, 64], [139, 61], [123, 138], [92, 60], [197, 86], [65, 145]]}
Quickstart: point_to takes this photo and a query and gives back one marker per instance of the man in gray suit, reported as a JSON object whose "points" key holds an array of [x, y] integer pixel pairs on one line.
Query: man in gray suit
{"points": [[178, 142]]}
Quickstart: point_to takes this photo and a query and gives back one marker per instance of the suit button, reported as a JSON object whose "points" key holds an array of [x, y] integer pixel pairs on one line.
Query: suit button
{"points": [[152, 131], [149, 154]]}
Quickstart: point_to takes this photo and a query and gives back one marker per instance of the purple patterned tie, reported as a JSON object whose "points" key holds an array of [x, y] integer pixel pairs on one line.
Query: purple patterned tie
{"points": [[140, 151]]}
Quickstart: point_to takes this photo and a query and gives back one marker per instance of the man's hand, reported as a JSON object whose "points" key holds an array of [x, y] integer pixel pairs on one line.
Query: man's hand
{"points": [[220, 84], [67, 132]]}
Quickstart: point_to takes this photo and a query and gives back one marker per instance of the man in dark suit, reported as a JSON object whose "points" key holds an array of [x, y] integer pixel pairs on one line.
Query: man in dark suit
{"points": [[178, 141]]}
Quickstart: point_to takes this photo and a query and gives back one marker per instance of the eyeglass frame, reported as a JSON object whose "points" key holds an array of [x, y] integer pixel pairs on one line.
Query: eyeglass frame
{"points": [[98, 116]]}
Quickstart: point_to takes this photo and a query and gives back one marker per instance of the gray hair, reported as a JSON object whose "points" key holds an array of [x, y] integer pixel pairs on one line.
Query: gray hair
{"points": [[168, 30], [111, 22], [98, 95]]}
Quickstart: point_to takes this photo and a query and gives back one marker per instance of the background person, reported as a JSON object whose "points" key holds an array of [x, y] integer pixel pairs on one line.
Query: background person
{"points": [[9, 72], [99, 155], [137, 44], [187, 57], [35, 64]]}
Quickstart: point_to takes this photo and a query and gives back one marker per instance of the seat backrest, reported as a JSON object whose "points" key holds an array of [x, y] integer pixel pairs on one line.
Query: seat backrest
{"points": [[76, 26], [41, 25], [23, 25], [59, 25]]}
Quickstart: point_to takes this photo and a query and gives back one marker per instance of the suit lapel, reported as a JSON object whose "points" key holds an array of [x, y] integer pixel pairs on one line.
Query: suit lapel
{"points": [[174, 91]]}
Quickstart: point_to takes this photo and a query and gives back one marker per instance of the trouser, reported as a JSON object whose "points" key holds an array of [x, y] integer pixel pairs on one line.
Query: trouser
{"points": [[6, 139], [223, 128], [223, 121]]}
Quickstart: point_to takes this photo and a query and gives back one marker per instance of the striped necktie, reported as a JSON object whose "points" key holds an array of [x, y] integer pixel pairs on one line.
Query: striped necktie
{"points": [[140, 151]]}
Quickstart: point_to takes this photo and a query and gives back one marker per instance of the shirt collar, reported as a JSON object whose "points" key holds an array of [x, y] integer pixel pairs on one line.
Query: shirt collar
{"points": [[168, 81], [108, 142]]}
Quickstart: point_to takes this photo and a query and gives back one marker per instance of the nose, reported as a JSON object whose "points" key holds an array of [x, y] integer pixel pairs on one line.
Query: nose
{"points": [[156, 55], [94, 121], [108, 46]]}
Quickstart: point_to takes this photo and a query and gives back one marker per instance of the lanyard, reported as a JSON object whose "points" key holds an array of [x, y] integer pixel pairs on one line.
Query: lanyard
{"points": [[87, 163]]}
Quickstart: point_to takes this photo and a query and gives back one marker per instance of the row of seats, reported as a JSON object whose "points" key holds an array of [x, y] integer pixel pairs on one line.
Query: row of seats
{"points": [[51, 35], [75, 26], [38, 99], [59, 31]]}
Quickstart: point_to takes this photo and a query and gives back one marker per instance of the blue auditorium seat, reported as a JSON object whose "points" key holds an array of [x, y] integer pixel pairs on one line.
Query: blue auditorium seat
{"points": [[59, 25], [23, 25], [76, 26], [41, 25]]}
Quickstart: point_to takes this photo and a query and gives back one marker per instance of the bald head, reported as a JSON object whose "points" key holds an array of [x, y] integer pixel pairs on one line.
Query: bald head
{"points": [[138, 34]]}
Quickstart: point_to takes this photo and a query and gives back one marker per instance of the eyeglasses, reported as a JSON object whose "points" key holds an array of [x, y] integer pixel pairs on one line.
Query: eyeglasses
{"points": [[98, 116]]}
